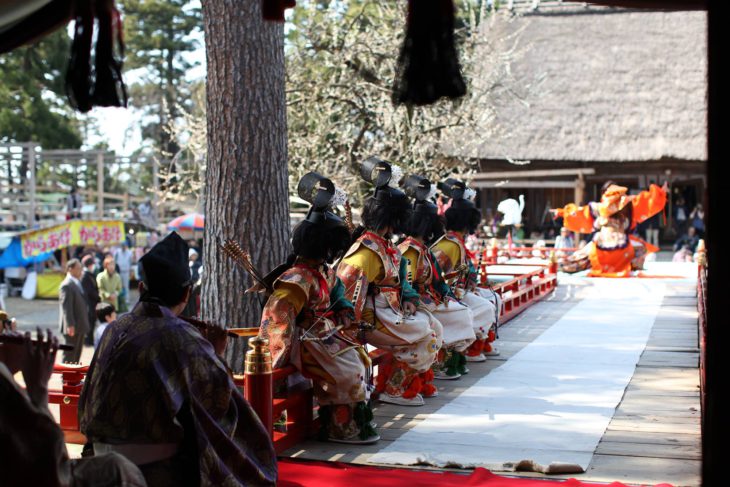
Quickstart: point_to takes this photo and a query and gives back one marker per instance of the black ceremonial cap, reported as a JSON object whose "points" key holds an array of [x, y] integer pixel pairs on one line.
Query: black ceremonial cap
{"points": [[455, 189], [419, 188], [319, 191], [166, 264], [379, 173]]}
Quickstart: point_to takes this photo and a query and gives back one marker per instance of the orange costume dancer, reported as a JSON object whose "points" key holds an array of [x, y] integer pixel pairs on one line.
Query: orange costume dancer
{"points": [[614, 252]]}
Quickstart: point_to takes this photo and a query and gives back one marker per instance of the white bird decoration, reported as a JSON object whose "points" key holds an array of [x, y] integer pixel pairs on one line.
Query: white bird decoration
{"points": [[512, 210]]}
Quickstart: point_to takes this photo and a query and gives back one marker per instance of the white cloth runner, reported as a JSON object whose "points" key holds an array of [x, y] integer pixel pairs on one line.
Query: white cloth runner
{"points": [[548, 406]]}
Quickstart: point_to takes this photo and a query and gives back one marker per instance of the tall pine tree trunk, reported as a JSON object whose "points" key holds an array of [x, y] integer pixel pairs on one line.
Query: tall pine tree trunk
{"points": [[246, 196]]}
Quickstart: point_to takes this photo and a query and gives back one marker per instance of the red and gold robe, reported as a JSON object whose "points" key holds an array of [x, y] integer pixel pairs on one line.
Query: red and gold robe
{"points": [[299, 321], [373, 273], [424, 275], [453, 257]]}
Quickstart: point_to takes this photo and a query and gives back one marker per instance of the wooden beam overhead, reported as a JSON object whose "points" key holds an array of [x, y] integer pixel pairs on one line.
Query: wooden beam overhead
{"points": [[523, 184], [538, 173], [655, 4]]}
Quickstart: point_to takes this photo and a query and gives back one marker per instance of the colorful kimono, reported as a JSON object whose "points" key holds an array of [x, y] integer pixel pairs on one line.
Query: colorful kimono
{"points": [[613, 251], [374, 275], [298, 320], [424, 274], [155, 381], [455, 261]]}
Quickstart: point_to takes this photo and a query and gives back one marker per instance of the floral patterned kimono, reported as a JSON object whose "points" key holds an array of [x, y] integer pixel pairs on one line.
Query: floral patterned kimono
{"points": [[424, 274], [299, 321], [613, 251], [455, 260], [373, 273]]}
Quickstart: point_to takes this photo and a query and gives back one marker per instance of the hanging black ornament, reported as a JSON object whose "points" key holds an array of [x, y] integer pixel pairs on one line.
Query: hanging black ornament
{"points": [[428, 66], [88, 86], [274, 9]]}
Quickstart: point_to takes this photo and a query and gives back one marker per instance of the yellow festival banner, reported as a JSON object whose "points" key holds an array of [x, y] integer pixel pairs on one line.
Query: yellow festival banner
{"points": [[75, 232]]}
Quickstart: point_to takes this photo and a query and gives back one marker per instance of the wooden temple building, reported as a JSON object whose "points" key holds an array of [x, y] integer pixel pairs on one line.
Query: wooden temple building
{"points": [[587, 93]]}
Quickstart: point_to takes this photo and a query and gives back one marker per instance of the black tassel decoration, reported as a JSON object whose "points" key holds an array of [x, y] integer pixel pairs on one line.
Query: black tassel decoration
{"points": [[428, 66], [78, 74], [102, 85], [109, 89], [274, 9]]}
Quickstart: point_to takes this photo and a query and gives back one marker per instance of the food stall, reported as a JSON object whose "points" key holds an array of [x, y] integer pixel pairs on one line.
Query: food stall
{"points": [[73, 233]]}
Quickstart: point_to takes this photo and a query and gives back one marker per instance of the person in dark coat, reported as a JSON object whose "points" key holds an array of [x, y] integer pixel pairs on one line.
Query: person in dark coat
{"points": [[74, 312], [88, 283], [690, 239], [184, 421]]}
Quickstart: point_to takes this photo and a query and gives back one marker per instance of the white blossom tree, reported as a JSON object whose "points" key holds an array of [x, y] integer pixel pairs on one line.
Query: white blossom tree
{"points": [[341, 62], [340, 65]]}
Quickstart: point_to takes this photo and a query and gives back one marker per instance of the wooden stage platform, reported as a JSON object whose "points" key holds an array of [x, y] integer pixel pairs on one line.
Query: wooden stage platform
{"points": [[654, 436]]}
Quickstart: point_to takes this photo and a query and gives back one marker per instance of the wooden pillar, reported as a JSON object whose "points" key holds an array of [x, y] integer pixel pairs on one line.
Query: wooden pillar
{"points": [[715, 426], [155, 190], [483, 202], [668, 229], [31, 185], [100, 184], [580, 186]]}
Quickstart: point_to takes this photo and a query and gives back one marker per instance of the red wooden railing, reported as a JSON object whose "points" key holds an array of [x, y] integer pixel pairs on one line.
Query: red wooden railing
{"points": [[67, 398], [524, 289], [297, 407], [489, 255], [702, 312]]}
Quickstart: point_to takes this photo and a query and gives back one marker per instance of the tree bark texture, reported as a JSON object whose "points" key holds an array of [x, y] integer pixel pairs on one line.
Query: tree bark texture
{"points": [[246, 195]]}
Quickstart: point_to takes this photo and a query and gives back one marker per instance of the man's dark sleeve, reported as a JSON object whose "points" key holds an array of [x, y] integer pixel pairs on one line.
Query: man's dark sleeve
{"points": [[90, 289], [66, 308], [678, 244]]}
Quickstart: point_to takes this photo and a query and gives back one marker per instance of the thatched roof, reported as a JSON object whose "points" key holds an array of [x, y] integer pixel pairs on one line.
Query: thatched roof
{"points": [[596, 84]]}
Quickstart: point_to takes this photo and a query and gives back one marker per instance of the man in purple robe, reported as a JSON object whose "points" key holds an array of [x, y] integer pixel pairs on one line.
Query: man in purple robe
{"points": [[158, 393]]}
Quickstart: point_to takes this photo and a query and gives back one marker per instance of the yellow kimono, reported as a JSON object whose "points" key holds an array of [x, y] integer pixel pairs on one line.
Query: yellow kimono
{"points": [[373, 273], [452, 255], [424, 275]]}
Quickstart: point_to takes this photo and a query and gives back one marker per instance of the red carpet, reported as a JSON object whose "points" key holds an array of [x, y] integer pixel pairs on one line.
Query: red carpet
{"points": [[293, 473], [658, 276]]}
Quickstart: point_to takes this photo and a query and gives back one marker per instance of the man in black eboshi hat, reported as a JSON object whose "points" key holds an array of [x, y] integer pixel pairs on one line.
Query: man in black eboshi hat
{"points": [[157, 392]]}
